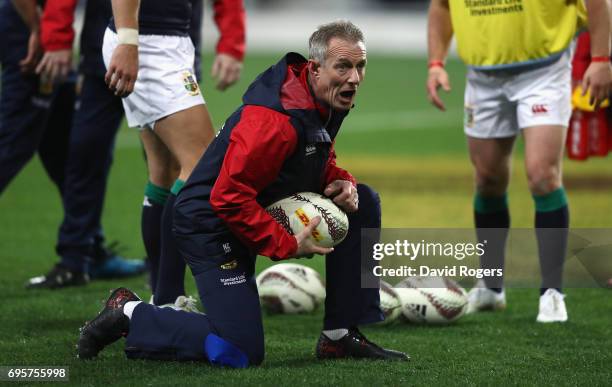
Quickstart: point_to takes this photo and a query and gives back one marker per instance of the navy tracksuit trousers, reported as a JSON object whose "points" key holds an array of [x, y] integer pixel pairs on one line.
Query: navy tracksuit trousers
{"points": [[96, 120], [233, 311]]}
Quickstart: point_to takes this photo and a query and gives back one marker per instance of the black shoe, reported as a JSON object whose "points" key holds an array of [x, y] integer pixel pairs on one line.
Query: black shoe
{"points": [[109, 326], [355, 345], [59, 277]]}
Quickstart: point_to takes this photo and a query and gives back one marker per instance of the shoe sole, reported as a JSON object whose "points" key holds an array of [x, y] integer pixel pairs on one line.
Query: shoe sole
{"points": [[546, 320]]}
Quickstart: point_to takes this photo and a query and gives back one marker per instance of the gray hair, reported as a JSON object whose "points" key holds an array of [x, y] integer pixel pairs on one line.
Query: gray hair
{"points": [[343, 29]]}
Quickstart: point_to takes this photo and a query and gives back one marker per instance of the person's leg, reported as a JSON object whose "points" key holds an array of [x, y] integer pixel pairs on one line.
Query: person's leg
{"points": [[186, 134], [96, 120], [491, 159], [54, 146], [543, 158], [231, 331], [348, 303], [163, 171], [24, 109]]}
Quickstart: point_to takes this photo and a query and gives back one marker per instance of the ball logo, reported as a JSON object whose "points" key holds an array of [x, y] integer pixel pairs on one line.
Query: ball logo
{"points": [[306, 221]]}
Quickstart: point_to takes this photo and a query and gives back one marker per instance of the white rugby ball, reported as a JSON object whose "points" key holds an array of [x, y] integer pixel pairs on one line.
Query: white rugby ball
{"points": [[431, 300], [290, 288], [390, 303], [296, 212]]}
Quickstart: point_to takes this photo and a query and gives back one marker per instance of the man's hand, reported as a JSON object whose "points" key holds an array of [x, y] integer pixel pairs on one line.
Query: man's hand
{"points": [[226, 70], [344, 194], [306, 247], [598, 80], [437, 78], [28, 64], [122, 70], [55, 65]]}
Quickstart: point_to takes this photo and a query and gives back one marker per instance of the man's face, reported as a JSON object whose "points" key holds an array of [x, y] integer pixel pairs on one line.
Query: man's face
{"points": [[336, 81]]}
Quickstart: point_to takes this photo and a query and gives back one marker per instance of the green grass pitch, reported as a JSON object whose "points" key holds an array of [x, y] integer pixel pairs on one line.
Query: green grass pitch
{"points": [[416, 158]]}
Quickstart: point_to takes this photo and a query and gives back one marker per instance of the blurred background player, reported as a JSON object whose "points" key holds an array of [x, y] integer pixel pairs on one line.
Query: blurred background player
{"points": [[167, 266], [168, 106], [278, 143], [36, 113], [97, 117], [518, 81]]}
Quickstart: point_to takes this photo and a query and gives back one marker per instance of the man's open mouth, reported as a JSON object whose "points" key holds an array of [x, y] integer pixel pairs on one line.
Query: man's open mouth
{"points": [[347, 93]]}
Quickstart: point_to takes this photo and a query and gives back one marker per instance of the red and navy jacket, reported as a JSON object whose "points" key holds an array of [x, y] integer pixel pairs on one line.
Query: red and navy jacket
{"points": [[279, 142], [57, 32]]}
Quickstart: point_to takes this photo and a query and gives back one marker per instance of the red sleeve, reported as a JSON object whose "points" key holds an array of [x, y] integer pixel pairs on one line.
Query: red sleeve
{"points": [[582, 56], [230, 18], [259, 145], [333, 172], [56, 32]]}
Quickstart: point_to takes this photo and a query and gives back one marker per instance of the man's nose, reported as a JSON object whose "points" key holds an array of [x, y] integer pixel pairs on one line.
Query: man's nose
{"points": [[354, 76]]}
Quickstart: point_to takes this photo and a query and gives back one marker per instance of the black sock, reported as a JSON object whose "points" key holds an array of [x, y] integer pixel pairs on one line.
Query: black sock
{"points": [[171, 276], [152, 208], [492, 221], [552, 228]]}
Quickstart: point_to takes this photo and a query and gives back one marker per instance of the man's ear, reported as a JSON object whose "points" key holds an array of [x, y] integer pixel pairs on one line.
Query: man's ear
{"points": [[314, 68]]}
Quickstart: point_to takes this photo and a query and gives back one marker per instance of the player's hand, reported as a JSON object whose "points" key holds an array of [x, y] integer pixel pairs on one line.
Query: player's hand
{"points": [[122, 70], [226, 70], [598, 80], [306, 247], [437, 77], [344, 194], [28, 64], [55, 65]]}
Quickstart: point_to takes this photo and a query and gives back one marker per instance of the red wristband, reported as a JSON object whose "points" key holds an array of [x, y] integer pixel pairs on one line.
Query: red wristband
{"points": [[435, 63], [600, 59]]}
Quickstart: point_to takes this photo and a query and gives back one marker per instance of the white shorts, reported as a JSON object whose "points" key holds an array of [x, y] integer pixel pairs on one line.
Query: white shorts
{"points": [[166, 82], [498, 104]]}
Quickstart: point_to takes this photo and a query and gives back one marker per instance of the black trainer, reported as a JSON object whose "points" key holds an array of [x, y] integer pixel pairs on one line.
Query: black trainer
{"points": [[58, 277], [355, 345], [109, 326]]}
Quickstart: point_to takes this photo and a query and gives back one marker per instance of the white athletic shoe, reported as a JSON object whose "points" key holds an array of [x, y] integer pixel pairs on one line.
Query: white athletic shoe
{"points": [[184, 303], [187, 304], [480, 298], [552, 307]]}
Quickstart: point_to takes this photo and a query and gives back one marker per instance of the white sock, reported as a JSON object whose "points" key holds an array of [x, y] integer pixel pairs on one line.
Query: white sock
{"points": [[128, 308], [336, 334]]}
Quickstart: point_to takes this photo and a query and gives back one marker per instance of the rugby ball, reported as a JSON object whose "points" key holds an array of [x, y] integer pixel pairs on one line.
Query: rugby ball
{"points": [[390, 303], [290, 288], [431, 300], [295, 213]]}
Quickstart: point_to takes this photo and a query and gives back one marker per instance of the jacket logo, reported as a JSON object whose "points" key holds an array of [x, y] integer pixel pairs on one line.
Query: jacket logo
{"points": [[227, 248], [539, 109], [311, 150], [231, 265]]}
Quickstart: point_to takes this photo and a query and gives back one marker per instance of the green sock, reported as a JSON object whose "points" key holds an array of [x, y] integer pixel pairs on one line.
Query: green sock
{"points": [[551, 201], [156, 193], [177, 186], [487, 205]]}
